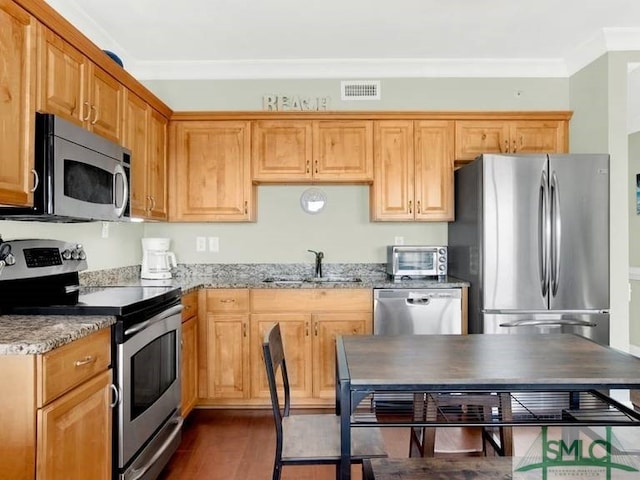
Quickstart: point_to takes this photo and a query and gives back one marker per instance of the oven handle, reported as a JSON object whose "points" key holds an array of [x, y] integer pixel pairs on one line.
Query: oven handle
{"points": [[158, 318], [139, 472], [116, 395]]}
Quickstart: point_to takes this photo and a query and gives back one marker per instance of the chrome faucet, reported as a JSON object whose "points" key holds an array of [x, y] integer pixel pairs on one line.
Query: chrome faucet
{"points": [[319, 257]]}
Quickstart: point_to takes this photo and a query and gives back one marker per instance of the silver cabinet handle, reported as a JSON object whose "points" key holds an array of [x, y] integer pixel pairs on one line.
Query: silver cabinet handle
{"points": [[95, 116], [84, 361], [36, 180]]}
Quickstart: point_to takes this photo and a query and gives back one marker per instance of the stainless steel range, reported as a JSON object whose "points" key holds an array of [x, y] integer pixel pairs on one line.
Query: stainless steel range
{"points": [[41, 277]]}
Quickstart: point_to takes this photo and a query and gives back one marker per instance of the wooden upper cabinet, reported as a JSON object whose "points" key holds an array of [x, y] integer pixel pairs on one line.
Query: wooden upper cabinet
{"points": [[211, 161], [136, 139], [282, 150], [433, 153], [474, 137], [145, 134], [320, 150], [17, 110], [413, 171], [157, 166], [392, 192], [539, 137], [343, 150], [71, 86]]}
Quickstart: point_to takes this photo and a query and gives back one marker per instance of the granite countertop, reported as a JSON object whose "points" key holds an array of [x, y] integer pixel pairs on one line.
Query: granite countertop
{"points": [[36, 334], [369, 282]]}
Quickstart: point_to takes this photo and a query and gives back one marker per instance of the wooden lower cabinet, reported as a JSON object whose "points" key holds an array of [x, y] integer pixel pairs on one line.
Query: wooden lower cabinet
{"points": [[231, 367], [310, 320], [189, 351], [223, 356], [326, 327], [297, 339], [74, 433], [56, 412]]}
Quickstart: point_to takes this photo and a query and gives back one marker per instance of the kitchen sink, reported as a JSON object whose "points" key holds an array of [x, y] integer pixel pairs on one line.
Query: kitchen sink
{"points": [[298, 280]]}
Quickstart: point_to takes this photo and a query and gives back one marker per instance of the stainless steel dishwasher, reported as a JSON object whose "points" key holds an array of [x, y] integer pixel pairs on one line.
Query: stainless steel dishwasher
{"points": [[403, 311]]}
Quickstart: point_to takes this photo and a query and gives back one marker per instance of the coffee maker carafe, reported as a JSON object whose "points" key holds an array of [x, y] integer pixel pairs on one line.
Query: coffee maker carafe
{"points": [[157, 260]]}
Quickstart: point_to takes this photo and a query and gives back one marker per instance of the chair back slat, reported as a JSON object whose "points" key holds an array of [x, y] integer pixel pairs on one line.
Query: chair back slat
{"points": [[273, 352]]}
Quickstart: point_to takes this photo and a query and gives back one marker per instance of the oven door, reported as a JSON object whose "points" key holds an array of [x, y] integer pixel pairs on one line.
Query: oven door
{"points": [[148, 380]]}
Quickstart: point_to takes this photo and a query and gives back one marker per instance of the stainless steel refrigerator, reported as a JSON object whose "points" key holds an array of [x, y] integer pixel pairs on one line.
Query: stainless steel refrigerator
{"points": [[531, 235]]}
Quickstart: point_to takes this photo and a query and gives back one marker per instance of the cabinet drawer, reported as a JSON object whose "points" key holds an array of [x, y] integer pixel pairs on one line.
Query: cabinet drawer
{"points": [[311, 300], [68, 366], [189, 305], [228, 300]]}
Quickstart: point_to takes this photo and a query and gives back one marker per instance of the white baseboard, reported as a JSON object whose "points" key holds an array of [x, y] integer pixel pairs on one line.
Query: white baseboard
{"points": [[634, 350]]}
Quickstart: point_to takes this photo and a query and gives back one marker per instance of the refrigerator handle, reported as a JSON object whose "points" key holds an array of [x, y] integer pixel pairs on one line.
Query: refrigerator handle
{"points": [[556, 233], [543, 234]]}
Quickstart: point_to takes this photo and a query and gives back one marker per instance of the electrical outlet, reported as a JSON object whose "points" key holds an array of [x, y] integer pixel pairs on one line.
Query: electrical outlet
{"points": [[201, 244], [105, 229], [398, 241], [214, 244]]}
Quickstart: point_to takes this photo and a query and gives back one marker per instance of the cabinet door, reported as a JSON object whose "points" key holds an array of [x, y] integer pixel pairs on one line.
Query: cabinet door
{"points": [[62, 78], [343, 150], [392, 192], [189, 370], [326, 327], [17, 84], [213, 171], [227, 356], [296, 337], [136, 139], [106, 98], [433, 147], [157, 166], [74, 440], [474, 137], [538, 137], [282, 150]]}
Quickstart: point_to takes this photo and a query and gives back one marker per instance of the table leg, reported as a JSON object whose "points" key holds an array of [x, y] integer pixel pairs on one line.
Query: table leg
{"points": [[345, 431]]}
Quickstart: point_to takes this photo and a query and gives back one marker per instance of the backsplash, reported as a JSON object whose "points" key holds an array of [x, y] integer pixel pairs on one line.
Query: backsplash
{"points": [[218, 271]]}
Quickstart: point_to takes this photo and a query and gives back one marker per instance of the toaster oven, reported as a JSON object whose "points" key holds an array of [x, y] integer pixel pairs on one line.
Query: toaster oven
{"points": [[412, 261]]}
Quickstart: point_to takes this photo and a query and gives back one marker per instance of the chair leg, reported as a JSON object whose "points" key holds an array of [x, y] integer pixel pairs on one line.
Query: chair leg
{"points": [[277, 470], [422, 441]]}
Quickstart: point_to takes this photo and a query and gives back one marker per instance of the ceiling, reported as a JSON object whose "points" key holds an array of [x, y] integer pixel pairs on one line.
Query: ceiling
{"points": [[221, 39]]}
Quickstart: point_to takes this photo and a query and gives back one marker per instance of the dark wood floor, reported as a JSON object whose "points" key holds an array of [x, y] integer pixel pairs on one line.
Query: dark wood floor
{"points": [[240, 445]]}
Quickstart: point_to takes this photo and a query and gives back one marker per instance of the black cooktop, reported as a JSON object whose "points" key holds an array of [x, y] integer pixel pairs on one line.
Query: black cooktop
{"points": [[118, 301]]}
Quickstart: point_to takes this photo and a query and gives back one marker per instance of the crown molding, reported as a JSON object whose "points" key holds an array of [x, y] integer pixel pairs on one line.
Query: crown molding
{"points": [[348, 68], [605, 40]]}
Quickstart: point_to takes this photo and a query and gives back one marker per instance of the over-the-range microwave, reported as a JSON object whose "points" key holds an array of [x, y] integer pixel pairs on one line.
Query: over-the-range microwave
{"points": [[415, 261], [79, 175]]}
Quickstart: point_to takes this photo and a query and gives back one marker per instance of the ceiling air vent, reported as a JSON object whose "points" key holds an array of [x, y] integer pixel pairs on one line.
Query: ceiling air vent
{"points": [[360, 89]]}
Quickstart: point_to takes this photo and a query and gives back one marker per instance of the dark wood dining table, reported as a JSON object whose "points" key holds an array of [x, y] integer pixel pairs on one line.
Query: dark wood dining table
{"points": [[471, 363]]}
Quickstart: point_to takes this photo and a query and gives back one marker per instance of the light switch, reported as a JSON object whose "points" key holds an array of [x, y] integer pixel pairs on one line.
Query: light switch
{"points": [[214, 244], [201, 244]]}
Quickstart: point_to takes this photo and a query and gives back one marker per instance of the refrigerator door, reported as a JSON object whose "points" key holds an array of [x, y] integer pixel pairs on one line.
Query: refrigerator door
{"points": [[579, 196], [592, 325], [513, 229]]}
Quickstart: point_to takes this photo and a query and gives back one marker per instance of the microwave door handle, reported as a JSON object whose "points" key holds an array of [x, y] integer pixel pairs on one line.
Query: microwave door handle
{"points": [[119, 172]]}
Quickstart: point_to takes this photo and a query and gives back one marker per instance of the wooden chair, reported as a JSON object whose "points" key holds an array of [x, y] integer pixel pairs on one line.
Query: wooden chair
{"points": [[306, 439], [479, 406]]}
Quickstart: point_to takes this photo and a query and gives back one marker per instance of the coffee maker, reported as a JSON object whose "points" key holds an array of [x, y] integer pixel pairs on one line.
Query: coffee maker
{"points": [[157, 260]]}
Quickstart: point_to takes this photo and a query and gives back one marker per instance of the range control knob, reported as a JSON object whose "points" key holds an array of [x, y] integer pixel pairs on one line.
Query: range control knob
{"points": [[9, 259], [78, 253], [441, 268], [66, 254]]}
